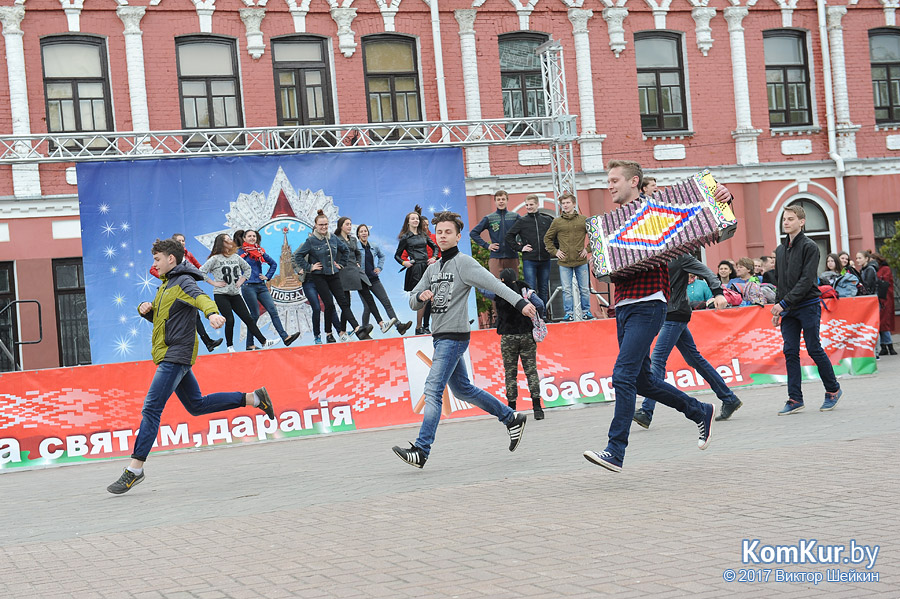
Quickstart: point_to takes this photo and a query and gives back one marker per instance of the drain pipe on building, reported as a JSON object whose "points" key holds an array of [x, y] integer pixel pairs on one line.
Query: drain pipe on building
{"points": [[829, 123], [439, 63]]}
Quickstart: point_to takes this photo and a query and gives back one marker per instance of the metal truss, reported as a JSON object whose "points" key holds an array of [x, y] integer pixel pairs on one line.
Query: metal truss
{"points": [[38, 149], [562, 160]]}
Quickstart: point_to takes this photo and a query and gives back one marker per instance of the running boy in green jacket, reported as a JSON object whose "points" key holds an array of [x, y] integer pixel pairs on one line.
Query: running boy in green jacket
{"points": [[175, 351]]}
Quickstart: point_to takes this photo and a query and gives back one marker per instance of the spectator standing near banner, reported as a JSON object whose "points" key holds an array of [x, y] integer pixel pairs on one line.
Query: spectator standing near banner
{"points": [[798, 309], [527, 236], [174, 351], [447, 284], [868, 270], [884, 289], [211, 344], [698, 292], [517, 341], [415, 241], [567, 240], [255, 291], [769, 269], [676, 334], [227, 273], [726, 272], [498, 223], [640, 308]]}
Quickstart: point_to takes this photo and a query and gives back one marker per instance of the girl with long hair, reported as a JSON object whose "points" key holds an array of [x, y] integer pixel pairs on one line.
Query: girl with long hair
{"points": [[321, 257], [352, 277], [415, 241], [255, 290], [726, 272], [227, 272], [372, 263]]}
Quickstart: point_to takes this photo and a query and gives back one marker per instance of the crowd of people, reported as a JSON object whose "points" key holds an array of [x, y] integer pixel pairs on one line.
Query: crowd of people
{"points": [[650, 305]]}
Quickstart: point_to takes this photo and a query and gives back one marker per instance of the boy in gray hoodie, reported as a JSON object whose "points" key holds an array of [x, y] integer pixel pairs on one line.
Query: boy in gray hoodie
{"points": [[447, 283]]}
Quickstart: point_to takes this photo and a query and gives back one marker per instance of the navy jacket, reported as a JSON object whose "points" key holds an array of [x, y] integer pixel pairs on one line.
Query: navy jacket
{"points": [[497, 223]]}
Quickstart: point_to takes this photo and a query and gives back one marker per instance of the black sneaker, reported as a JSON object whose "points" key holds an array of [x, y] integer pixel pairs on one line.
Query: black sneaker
{"points": [[705, 426], [605, 459], [402, 327], [329, 338], [642, 418], [413, 456], [363, 332], [728, 409], [516, 430], [265, 402], [213, 344], [291, 338], [426, 331], [128, 480], [420, 331]]}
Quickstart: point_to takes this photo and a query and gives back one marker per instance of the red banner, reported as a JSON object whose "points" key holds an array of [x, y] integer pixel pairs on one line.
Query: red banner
{"points": [[77, 414]]}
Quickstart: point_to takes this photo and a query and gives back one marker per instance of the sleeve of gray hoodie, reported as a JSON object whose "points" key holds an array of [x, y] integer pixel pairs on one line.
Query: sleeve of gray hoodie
{"points": [[694, 266], [423, 284], [475, 275]]}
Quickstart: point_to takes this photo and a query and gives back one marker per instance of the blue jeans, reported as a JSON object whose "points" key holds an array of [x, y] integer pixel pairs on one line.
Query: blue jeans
{"points": [[256, 294], [885, 338], [179, 379], [805, 319], [636, 326], [537, 276], [677, 334], [581, 275], [449, 368]]}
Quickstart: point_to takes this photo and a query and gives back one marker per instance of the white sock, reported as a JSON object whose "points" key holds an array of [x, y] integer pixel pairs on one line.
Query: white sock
{"points": [[136, 471], [255, 400]]}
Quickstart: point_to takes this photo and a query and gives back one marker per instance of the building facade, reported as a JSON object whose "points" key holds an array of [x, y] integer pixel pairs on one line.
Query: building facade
{"points": [[787, 101]]}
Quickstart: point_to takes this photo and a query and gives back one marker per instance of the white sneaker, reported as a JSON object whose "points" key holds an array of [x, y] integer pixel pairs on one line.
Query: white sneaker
{"points": [[386, 326], [271, 343], [345, 337], [230, 349]]}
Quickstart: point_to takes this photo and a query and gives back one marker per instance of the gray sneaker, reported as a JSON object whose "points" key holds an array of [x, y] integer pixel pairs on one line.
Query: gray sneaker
{"points": [[128, 480], [642, 418]]}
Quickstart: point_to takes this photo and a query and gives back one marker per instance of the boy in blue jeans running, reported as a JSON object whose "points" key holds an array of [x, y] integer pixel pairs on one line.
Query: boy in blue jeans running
{"points": [[175, 351], [446, 283]]}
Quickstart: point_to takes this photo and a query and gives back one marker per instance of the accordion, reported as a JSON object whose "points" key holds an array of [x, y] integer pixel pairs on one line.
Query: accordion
{"points": [[649, 232]]}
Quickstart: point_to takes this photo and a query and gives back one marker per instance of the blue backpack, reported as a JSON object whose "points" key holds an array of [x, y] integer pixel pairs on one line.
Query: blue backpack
{"points": [[846, 285]]}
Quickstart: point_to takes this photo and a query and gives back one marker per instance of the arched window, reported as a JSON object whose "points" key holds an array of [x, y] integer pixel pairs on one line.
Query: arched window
{"points": [[884, 53], [816, 228]]}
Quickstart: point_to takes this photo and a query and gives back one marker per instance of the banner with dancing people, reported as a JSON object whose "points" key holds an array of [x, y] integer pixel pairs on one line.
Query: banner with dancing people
{"points": [[66, 415], [125, 206]]}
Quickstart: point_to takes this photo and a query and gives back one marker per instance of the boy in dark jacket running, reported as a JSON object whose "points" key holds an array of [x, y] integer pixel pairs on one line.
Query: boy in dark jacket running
{"points": [[799, 309], [447, 283], [174, 352]]}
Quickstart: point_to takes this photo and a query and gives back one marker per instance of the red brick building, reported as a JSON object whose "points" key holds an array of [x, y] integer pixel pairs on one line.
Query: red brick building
{"points": [[746, 89]]}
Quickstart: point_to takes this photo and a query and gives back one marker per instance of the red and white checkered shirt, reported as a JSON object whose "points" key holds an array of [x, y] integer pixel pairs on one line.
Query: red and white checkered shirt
{"points": [[642, 284]]}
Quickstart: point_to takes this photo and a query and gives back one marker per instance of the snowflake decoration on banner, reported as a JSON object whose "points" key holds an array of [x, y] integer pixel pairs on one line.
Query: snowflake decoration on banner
{"points": [[146, 282], [103, 208], [446, 191], [109, 229], [125, 227], [119, 299], [109, 252], [123, 346]]}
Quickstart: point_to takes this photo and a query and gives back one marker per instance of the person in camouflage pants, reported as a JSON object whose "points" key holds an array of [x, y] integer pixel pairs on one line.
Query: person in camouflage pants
{"points": [[512, 347]]}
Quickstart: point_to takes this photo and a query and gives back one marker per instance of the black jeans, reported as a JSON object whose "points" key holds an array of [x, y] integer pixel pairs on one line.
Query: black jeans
{"points": [[377, 289], [330, 290], [229, 305]]}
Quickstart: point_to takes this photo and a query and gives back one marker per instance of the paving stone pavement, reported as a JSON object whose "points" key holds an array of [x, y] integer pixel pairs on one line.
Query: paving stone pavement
{"points": [[341, 516]]}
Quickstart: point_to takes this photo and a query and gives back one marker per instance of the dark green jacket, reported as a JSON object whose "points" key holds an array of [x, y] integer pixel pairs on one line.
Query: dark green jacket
{"points": [[174, 315]]}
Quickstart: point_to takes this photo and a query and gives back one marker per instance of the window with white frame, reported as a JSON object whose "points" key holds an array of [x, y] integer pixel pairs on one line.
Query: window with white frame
{"points": [[787, 78], [662, 95]]}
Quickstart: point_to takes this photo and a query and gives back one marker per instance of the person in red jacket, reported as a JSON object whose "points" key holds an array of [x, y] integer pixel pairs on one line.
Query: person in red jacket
{"points": [[884, 289], [210, 343]]}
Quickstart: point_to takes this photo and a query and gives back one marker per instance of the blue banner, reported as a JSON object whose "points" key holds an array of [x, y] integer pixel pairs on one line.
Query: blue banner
{"points": [[126, 206]]}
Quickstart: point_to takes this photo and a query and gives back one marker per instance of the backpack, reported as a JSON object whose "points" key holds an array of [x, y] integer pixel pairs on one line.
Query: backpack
{"points": [[750, 292], [846, 285], [732, 297], [827, 292], [768, 291]]}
